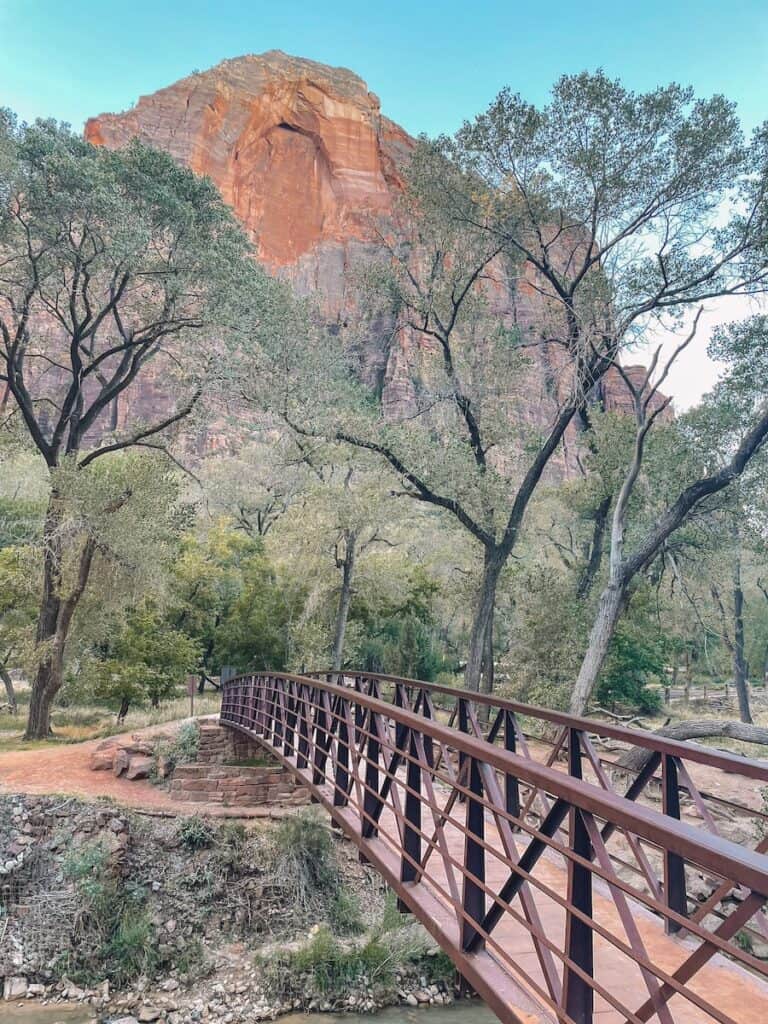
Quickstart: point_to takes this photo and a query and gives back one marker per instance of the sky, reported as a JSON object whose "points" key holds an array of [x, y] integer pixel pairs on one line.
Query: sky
{"points": [[433, 64]]}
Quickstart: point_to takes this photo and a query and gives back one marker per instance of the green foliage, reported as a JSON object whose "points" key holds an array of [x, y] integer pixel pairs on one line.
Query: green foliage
{"points": [[143, 660], [18, 603], [397, 633], [545, 633], [21, 522], [327, 969], [633, 659], [306, 869], [116, 939], [226, 594], [179, 749], [195, 833]]}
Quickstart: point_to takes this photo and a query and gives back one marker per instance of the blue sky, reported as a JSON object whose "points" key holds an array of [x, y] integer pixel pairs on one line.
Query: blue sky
{"points": [[433, 64]]}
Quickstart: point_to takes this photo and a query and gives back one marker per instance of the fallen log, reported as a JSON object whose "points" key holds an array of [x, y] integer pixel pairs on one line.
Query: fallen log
{"points": [[696, 729]]}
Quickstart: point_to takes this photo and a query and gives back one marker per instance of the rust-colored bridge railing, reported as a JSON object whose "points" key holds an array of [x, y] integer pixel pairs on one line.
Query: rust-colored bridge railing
{"points": [[553, 893]]}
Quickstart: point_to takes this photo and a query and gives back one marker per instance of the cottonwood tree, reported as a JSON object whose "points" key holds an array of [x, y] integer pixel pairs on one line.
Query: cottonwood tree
{"points": [[257, 484], [347, 516], [601, 212], [116, 269], [738, 414]]}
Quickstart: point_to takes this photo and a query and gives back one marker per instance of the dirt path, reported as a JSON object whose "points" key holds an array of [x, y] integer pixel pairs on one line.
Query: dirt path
{"points": [[65, 768]]}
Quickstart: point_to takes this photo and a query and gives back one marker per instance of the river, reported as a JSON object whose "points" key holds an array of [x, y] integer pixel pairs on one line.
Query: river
{"points": [[458, 1013]]}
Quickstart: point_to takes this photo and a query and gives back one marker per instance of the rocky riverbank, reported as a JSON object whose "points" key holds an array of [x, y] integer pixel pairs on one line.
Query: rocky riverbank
{"points": [[185, 920]]}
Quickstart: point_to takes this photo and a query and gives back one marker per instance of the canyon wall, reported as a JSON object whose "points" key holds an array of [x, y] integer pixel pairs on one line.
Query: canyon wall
{"points": [[311, 167]]}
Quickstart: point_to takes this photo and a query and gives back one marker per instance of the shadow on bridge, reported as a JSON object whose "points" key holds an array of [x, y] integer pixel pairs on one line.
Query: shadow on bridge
{"points": [[554, 894]]}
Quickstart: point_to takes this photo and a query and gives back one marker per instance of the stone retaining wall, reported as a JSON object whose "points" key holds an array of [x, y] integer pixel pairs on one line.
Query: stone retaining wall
{"points": [[235, 785], [219, 744], [210, 780]]}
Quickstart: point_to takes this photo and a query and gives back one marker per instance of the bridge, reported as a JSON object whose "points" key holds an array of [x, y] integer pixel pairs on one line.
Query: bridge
{"points": [[566, 883]]}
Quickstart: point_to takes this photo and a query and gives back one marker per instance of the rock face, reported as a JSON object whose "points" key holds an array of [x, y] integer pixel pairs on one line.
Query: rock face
{"points": [[304, 156], [299, 150]]}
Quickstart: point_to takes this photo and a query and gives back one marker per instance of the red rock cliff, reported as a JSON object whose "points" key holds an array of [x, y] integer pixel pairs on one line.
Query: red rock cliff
{"points": [[304, 156], [300, 150]]}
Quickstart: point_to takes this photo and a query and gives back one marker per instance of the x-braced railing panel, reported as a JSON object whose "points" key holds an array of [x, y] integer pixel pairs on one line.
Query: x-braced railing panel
{"points": [[714, 789], [530, 906]]}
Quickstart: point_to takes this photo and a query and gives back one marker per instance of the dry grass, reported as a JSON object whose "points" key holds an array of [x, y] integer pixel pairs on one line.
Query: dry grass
{"points": [[90, 722]]}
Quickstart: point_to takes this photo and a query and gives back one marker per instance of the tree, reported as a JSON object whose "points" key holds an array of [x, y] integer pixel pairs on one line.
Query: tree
{"points": [[17, 612], [143, 659], [257, 484], [208, 593], [116, 268], [256, 634], [738, 418], [353, 517], [602, 208]]}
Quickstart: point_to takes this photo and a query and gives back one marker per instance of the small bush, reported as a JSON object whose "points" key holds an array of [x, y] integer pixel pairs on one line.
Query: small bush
{"points": [[195, 834], [114, 936], [306, 870], [191, 960], [181, 749], [327, 969], [230, 846], [130, 950]]}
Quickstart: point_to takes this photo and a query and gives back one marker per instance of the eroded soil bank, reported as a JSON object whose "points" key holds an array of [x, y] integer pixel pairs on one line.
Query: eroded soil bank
{"points": [[107, 913]]}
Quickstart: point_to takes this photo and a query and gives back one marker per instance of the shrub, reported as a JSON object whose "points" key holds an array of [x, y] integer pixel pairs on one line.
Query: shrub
{"points": [[631, 661], [130, 950], [114, 936], [326, 968], [195, 834], [306, 870], [182, 749]]}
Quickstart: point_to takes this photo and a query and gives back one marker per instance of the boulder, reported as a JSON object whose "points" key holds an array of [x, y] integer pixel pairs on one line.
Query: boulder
{"points": [[121, 761], [103, 760], [139, 767], [14, 987], [147, 1014]]}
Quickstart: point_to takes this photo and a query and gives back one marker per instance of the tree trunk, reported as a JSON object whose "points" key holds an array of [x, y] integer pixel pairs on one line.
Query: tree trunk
{"points": [[488, 665], [47, 683], [48, 680], [705, 728], [612, 601], [739, 662], [9, 690], [592, 568], [54, 621], [345, 599], [486, 601]]}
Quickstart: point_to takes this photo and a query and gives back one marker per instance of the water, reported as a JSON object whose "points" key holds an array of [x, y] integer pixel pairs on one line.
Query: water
{"points": [[458, 1013], [32, 1013]]}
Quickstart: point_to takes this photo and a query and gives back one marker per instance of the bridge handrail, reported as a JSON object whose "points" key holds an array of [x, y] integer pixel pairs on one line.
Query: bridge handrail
{"points": [[734, 763], [712, 852]]}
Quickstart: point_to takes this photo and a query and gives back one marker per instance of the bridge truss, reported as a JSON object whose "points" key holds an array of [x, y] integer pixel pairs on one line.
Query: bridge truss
{"points": [[561, 885]]}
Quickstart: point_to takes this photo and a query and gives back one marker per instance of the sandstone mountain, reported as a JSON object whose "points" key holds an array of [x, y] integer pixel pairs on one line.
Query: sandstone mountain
{"points": [[309, 164]]}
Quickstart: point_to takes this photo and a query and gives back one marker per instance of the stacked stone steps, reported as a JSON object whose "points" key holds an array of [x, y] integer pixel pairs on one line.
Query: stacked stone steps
{"points": [[233, 785]]}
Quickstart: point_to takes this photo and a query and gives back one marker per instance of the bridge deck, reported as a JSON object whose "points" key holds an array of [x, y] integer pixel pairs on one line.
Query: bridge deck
{"points": [[573, 939]]}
